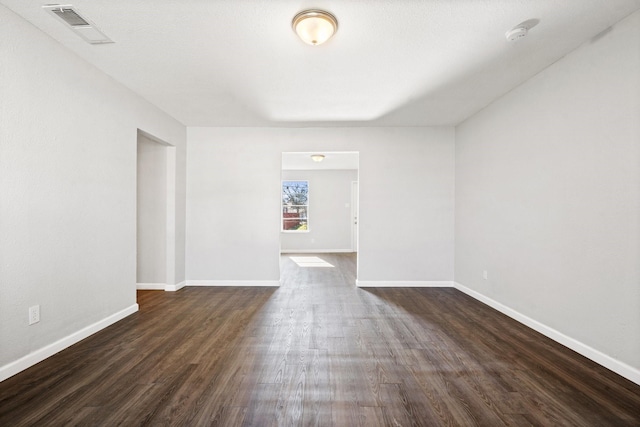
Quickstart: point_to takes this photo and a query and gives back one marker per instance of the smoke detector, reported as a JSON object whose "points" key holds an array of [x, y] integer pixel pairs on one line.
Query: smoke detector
{"points": [[521, 30], [80, 25], [516, 33]]}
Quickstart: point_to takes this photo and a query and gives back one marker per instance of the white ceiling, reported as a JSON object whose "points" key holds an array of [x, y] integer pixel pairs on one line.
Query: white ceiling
{"points": [[391, 63]]}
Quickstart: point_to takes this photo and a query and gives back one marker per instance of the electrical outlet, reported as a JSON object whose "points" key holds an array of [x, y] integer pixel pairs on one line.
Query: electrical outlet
{"points": [[34, 314], [485, 275]]}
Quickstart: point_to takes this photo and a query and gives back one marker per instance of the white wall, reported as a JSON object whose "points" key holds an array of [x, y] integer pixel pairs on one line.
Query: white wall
{"points": [[548, 199], [67, 193], [329, 211], [151, 259], [234, 178]]}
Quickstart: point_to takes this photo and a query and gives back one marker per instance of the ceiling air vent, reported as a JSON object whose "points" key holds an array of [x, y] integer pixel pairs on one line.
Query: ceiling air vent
{"points": [[70, 16], [77, 23]]}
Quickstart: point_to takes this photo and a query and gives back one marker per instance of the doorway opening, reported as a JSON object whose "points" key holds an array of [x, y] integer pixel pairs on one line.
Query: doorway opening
{"points": [[155, 213], [319, 204]]}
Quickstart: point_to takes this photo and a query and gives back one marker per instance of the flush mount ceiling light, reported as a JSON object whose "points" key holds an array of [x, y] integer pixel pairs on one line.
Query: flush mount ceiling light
{"points": [[314, 26], [317, 157]]}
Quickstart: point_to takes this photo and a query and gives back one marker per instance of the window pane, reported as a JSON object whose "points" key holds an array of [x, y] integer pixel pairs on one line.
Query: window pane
{"points": [[294, 212], [295, 192], [294, 224]]}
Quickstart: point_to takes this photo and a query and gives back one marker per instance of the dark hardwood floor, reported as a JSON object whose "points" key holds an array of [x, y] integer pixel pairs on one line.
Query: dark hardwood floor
{"points": [[317, 351]]}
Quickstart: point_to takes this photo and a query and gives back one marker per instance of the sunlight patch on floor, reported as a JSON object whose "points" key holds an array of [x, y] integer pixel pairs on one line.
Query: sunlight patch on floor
{"points": [[310, 261]]}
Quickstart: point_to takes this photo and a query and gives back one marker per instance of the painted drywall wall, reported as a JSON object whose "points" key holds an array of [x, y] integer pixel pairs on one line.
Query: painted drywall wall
{"points": [[548, 197], [329, 211], [151, 259], [67, 192], [233, 200]]}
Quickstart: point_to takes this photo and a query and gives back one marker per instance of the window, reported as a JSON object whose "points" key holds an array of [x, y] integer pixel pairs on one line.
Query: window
{"points": [[295, 205]]}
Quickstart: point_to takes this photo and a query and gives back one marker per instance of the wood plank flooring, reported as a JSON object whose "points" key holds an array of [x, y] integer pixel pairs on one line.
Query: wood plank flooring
{"points": [[317, 352]]}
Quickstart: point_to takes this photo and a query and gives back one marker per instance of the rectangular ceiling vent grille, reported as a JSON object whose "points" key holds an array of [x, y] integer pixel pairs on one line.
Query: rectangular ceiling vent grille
{"points": [[77, 23], [70, 16]]}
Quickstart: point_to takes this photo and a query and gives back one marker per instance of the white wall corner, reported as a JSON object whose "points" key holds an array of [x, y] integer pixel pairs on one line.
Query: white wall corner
{"points": [[233, 283], [404, 284], [39, 355], [621, 368], [176, 287], [170, 247]]}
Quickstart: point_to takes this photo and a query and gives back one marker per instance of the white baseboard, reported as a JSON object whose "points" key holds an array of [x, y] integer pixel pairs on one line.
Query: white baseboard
{"points": [[621, 368], [150, 286], [160, 286], [315, 251], [233, 283], [403, 284], [176, 287], [39, 355]]}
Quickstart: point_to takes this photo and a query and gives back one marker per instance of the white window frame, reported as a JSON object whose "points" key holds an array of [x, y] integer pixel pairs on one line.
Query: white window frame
{"points": [[282, 205]]}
